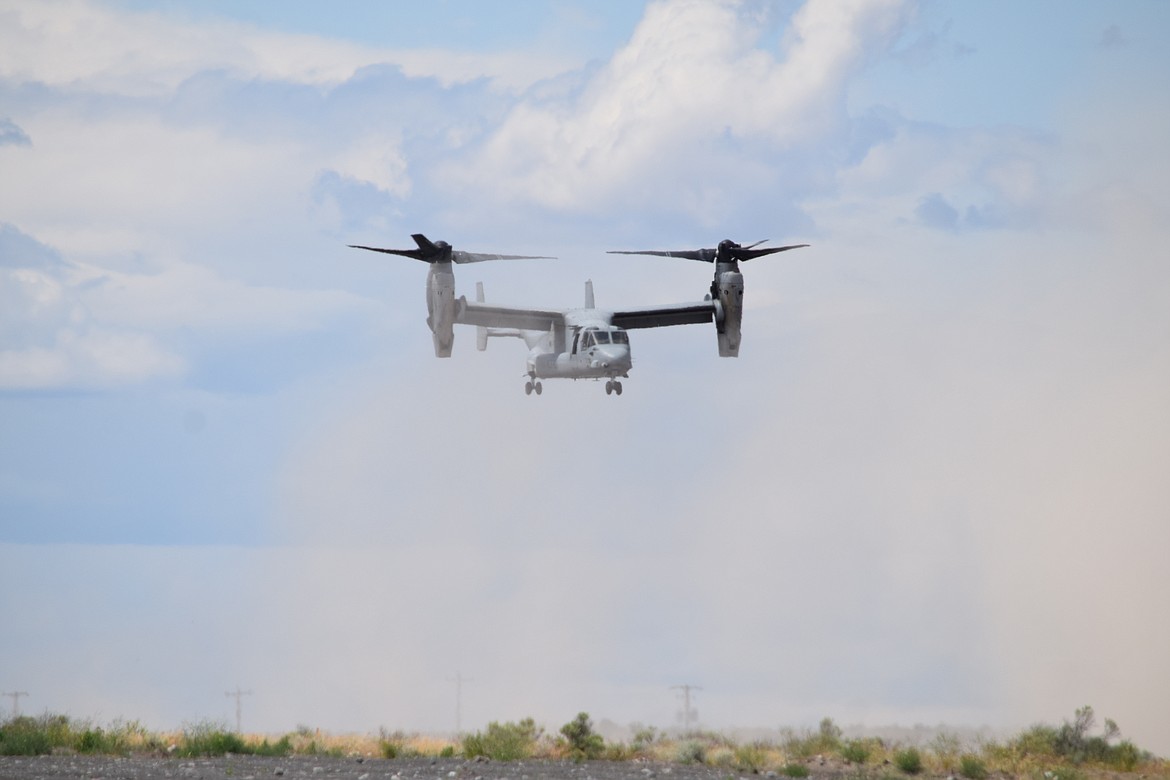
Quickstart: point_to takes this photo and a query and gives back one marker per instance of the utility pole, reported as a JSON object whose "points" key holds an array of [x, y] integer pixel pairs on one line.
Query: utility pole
{"points": [[459, 679], [686, 689], [238, 694], [15, 702]]}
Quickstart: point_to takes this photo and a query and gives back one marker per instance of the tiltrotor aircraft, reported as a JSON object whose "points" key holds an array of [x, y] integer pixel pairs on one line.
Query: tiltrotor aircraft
{"points": [[584, 343]]}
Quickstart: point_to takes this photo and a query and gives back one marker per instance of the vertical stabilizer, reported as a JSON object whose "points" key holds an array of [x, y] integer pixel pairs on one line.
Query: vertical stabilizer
{"points": [[481, 333], [589, 294]]}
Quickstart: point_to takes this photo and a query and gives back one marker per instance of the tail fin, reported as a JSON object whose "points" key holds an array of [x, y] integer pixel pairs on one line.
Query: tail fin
{"points": [[481, 333], [589, 294]]}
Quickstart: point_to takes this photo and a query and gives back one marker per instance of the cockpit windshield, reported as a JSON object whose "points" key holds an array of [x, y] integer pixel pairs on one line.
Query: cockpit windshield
{"points": [[592, 336]]}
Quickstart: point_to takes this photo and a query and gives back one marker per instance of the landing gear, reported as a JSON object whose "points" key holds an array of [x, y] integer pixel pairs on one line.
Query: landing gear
{"points": [[613, 386], [530, 385]]}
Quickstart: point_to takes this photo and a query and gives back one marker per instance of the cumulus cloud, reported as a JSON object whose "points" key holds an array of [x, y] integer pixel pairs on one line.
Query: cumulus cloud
{"points": [[74, 325], [82, 45], [692, 84], [10, 133], [50, 340]]}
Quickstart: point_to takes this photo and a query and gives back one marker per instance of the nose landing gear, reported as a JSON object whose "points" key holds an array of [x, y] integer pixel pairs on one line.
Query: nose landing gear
{"points": [[613, 386], [531, 385]]}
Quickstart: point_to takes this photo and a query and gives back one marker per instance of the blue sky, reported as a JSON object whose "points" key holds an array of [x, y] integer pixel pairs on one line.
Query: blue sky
{"points": [[931, 489]]}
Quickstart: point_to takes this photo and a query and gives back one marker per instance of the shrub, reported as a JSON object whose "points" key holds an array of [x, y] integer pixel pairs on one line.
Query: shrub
{"points": [[25, 737], [209, 739], [584, 742], [751, 758], [795, 770], [827, 739], [692, 752], [1039, 740], [503, 741], [947, 746], [282, 747], [618, 751], [972, 767], [644, 735], [855, 751], [908, 760]]}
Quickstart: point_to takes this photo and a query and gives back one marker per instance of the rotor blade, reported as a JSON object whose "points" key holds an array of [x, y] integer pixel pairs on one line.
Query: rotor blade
{"points": [[413, 253], [705, 255], [749, 254], [425, 244], [480, 257], [749, 246]]}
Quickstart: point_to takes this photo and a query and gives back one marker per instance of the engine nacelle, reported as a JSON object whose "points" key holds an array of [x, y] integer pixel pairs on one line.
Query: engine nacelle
{"points": [[441, 307], [727, 289]]}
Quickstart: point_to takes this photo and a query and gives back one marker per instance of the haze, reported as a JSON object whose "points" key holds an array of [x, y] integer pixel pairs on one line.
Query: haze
{"points": [[933, 488]]}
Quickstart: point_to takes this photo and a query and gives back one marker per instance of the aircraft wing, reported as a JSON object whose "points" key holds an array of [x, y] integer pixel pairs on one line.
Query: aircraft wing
{"points": [[662, 316], [493, 316]]}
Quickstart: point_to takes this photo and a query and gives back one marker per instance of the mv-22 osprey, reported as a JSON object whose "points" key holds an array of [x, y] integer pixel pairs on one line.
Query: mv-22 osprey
{"points": [[584, 343]]}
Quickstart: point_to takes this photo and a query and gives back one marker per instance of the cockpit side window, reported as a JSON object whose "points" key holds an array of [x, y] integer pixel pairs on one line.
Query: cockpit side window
{"points": [[620, 337]]}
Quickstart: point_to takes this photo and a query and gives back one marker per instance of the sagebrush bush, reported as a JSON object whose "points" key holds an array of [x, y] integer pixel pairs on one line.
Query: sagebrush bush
{"points": [[909, 760], [826, 739], [751, 757], [692, 752], [27, 737], [207, 738], [503, 741], [856, 751], [972, 767]]}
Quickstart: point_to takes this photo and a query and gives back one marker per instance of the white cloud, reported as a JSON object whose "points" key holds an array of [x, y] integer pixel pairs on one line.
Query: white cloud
{"points": [[140, 178], [81, 45], [78, 325], [91, 359], [377, 160], [690, 113]]}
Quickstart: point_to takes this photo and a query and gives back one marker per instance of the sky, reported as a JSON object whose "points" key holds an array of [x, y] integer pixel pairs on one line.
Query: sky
{"points": [[932, 488]]}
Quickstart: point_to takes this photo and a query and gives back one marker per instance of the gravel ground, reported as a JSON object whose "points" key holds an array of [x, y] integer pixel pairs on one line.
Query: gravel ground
{"points": [[78, 767]]}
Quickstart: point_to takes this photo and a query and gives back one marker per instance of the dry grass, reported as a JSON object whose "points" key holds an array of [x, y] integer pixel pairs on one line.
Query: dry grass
{"points": [[1026, 757]]}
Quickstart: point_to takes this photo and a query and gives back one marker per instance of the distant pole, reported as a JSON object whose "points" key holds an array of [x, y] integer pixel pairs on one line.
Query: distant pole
{"points": [[459, 679], [238, 694], [15, 702], [686, 689]]}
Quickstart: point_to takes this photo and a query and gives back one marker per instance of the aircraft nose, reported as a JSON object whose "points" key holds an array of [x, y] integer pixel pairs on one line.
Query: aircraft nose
{"points": [[614, 356]]}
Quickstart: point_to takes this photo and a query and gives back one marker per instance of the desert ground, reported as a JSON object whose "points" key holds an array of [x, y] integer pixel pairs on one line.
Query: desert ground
{"points": [[79, 767]]}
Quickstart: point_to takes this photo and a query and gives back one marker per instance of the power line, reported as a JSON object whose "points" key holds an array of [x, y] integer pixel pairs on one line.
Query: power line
{"points": [[15, 701], [687, 712], [238, 694], [459, 679]]}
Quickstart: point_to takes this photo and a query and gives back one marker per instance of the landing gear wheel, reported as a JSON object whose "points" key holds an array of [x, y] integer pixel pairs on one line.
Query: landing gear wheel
{"points": [[527, 388], [617, 387], [609, 387], [539, 388]]}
